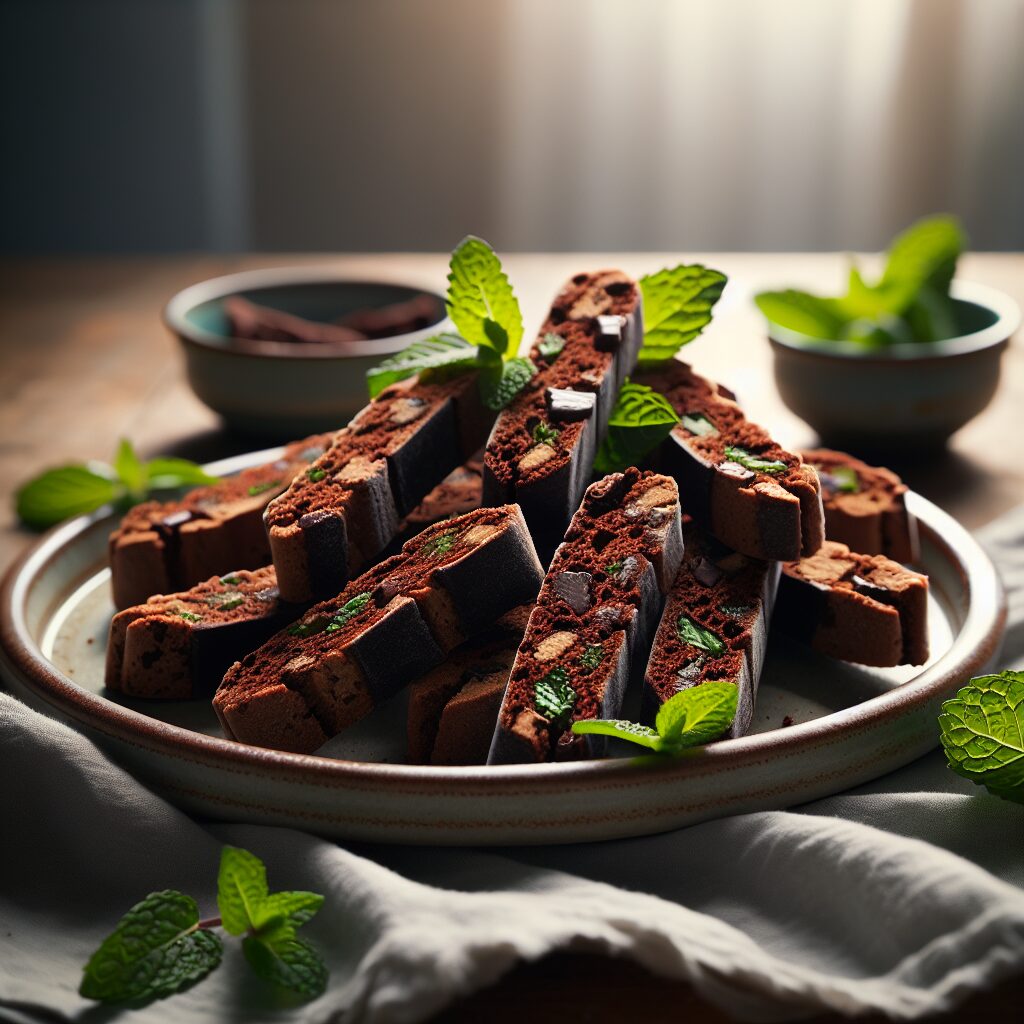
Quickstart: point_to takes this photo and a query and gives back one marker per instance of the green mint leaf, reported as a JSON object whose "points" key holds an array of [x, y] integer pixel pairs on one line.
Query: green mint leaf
{"points": [[62, 493], [267, 485], [839, 478], [190, 616], [348, 611], [641, 420], [316, 475], [748, 460], [614, 568], [156, 949], [165, 473], [699, 425], [501, 382], [621, 729], [544, 433], [677, 307], [294, 908], [286, 962], [440, 545], [130, 469], [802, 312], [550, 346], [925, 255], [443, 351], [930, 316], [696, 636], [592, 656], [478, 292], [309, 627], [241, 888], [226, 601], [553, 695], [982, 732], [697, 715], [230, 581]]}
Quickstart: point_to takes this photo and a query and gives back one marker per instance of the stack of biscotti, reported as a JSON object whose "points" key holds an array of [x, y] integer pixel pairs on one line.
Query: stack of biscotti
{"points": [[453, 708], [542, 448], [178, 646], [734, 480], [386, 628], [164, 547], [714, 628], [594, 617], [337, 517], [865, 506], [861, 608]]}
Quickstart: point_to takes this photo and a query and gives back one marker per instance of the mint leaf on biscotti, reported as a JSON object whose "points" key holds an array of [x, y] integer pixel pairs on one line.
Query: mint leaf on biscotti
{"points": [[481, 302], [442, 352], [641, 420], [677, 306]]}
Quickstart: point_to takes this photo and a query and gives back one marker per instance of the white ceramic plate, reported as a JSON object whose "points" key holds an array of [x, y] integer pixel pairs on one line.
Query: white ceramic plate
{"points": [[848, 724]]}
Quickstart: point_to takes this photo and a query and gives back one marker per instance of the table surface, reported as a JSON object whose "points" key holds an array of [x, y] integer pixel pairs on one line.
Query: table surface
{"points": [[85, 360]]}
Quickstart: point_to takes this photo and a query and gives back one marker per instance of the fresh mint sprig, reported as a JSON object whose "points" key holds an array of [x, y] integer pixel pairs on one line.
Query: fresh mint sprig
{"points": [[76, 489], [641, 420], [982, 733], [677, 306], [489, 329], [689, 719], [910, 302], [161, 946]]}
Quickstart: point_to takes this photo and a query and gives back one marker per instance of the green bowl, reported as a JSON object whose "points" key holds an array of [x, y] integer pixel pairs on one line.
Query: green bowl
{"points": [[286, 389], [900, 396]]}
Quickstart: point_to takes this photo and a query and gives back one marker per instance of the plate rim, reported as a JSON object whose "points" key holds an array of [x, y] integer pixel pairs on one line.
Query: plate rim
{"points": [[974, 647]]}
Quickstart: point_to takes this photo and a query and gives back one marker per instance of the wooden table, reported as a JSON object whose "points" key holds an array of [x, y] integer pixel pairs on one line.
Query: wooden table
{"points": [[86, 360]]}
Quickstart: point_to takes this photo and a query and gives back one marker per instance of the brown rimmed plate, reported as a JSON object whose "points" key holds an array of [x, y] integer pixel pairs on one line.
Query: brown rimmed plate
{"points": [[820, 726]]}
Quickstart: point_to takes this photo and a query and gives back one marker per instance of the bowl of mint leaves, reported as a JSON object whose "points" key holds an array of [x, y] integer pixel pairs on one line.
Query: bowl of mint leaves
{"points": [[902, 360]]}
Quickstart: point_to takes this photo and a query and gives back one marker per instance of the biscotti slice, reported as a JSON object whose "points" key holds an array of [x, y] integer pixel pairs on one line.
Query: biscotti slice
{"points": [[177, 646], [714, 628], [861, 608], [542, 448], [386, 628], [865, 506], [734, 480], [595, 615], [338, 517], [453, 708], [163, 547]]}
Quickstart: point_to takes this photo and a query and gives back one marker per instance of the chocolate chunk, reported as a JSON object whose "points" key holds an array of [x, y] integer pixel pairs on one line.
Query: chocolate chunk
{"points": [[869, 589], [609, 333], [568, 405], [574, 589], [176, 519], [736, 471]]}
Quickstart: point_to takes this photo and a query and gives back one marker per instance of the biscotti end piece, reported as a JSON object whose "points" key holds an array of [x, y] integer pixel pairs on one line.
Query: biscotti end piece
{"points": [[389, 626], [178, 646], [865, 506], [866, 609]]}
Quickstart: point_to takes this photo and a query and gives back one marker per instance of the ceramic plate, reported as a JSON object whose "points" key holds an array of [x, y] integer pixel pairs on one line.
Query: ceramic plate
{"points": [[820, 726]]}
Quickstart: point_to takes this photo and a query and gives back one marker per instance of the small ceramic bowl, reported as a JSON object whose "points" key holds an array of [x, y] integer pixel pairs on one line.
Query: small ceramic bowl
{"points": [[286, 389], [907, 395]]}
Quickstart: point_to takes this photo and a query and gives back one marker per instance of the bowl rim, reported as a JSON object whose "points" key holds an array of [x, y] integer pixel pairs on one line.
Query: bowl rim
{"points": [[183, 301], [1008, 319]]}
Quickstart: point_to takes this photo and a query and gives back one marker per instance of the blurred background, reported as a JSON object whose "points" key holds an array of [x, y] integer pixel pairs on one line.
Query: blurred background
{"points": [[233, 125]]}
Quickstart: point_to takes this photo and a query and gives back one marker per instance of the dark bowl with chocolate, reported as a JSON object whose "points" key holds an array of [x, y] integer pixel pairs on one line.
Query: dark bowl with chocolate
{"points": [[284, 352], [913, 395]]}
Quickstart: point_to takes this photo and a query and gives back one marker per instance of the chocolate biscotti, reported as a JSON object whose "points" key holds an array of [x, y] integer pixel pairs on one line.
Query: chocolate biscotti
{"points": [[596, 612], [386, 628], [163, 547], [734, 480], [865, 506], [336, 518], [542, 448], [714, 628], [860, 608], [177, 646], [453, 708]]}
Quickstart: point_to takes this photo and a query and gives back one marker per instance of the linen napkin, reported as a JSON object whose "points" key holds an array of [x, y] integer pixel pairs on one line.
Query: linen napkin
{"points": [[901, 896]]}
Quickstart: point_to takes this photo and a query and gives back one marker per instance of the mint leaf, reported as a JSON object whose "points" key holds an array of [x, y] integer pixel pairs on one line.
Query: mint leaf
{"points": [[698, 424], [165, 473], [748, 460], [129, 468], [156, 949], [592, 656], [544, 433], [241, 888], [839, 478], [287, 962], [925, 255], [262, 488], [447, 351], [480, 300], [802, 312], [500, 382], [440, 545], [550, 346], [696, 636], [982, 732], [641, 420], [294, 908], [62, 493], [677, 307], [621, 729], [697, 715], [553, 695], [348, 611]]}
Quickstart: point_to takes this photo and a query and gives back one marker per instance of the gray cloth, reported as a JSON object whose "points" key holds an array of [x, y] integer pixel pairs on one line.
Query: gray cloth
{"points": [[902, 896]]}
